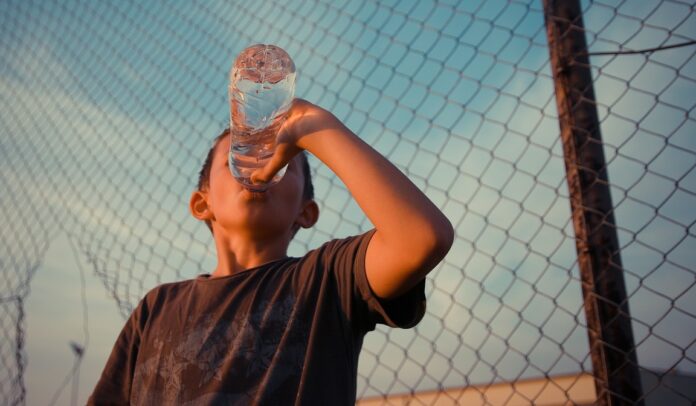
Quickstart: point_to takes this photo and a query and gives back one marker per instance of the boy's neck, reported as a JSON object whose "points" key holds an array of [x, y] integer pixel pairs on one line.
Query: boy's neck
{"points": [[238, 253]]}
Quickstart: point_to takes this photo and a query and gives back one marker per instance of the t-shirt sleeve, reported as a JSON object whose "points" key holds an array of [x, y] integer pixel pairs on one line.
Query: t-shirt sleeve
{"points": [[346, 259], [114, 385]]}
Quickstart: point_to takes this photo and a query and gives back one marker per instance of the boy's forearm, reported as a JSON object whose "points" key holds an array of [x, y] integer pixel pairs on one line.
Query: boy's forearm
{"points": [[410, 229], [388, 198]]}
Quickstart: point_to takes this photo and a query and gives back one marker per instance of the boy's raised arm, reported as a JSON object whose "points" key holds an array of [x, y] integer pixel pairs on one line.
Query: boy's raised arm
{"points": [[412, 234]]}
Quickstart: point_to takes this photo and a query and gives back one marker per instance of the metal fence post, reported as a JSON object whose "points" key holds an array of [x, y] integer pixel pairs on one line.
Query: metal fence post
{"points": [[617, 378]]}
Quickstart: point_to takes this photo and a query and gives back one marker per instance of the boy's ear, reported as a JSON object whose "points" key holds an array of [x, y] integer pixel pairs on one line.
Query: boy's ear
{"points": [[309, 214], [198, 205]]}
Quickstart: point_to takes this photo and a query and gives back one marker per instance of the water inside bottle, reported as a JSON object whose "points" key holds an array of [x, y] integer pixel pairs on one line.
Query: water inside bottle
{"points": [[254, 106]]}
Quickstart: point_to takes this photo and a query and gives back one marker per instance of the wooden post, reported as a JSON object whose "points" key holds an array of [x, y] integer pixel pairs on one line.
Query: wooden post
{"points": [[616, 372]]}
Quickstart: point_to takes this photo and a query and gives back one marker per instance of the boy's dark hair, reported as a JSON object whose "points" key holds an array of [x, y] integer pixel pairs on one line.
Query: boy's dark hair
{"points": [[204, 174]]}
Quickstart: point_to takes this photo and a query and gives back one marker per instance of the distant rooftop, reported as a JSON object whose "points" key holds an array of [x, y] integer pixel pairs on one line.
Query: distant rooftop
{"points": [[673, 388]]}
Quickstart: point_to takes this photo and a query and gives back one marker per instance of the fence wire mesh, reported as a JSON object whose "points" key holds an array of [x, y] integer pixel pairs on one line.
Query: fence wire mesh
{"points": [[108, 108]]}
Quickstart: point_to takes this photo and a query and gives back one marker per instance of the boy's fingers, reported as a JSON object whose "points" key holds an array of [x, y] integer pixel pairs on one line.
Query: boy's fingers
{"points": [[285, 149], [283, 154]]}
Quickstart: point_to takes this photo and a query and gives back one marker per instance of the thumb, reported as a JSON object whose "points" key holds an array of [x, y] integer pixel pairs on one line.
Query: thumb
{"points": [[281, 157]]}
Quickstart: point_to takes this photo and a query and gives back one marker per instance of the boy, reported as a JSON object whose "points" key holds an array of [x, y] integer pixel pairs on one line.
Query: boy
{"points": [[267, 329]]}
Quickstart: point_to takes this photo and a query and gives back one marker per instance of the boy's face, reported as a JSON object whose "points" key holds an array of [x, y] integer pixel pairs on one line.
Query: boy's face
{"points": [[271, 214]]}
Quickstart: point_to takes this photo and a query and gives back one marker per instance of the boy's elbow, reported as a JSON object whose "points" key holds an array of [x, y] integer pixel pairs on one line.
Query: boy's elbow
{"points": [[440, 238], [404, 265], [444, 238]]}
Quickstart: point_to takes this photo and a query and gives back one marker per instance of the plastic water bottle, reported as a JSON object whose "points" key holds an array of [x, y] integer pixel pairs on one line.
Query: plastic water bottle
{"points": [[262, 87]]}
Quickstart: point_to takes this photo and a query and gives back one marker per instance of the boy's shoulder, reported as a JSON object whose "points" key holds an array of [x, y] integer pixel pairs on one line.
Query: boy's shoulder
{"points": [[168, 289], [349, 246], [171, 286]]}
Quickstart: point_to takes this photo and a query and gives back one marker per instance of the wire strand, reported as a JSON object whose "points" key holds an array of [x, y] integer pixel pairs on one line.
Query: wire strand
{"points": [[643, 51]]}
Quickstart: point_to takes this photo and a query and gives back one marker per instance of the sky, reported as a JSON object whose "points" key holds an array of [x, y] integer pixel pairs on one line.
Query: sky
{"points": [[107, 111]]}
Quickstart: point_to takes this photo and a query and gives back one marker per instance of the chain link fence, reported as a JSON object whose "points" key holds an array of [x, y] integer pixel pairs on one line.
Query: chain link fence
{"points": [[108, 108]]}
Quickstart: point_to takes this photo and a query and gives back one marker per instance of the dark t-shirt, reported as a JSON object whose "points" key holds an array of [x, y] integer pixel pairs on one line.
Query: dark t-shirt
{"points": [[286, 332]]}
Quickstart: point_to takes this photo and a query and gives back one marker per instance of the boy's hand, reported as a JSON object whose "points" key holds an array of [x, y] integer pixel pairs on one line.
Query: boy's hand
{"points": [[303, 119], [412, 234]]}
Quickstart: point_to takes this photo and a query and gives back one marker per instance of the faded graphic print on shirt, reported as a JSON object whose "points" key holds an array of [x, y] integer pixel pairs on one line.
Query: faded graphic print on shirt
{"points": [[231, 357]]}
